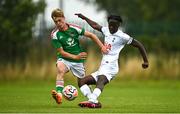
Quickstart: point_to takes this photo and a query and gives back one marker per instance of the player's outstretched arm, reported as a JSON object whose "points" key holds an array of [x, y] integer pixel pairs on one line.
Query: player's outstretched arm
{"points": [[82, 55], [97, 41], [142, 50], [93, 24]]}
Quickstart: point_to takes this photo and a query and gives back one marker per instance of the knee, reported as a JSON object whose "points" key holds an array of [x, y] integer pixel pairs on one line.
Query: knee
{"points": [[86, 80], [102, 81], [60, 73], [81, 82], [61, 70]]}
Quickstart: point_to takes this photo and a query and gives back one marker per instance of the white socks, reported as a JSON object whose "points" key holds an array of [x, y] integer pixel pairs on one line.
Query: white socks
{"points": [[93, 97], [85, 90], [97, 92]]}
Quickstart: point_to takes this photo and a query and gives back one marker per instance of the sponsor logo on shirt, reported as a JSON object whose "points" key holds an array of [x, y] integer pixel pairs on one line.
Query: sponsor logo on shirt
{"points": [[70, 42]]}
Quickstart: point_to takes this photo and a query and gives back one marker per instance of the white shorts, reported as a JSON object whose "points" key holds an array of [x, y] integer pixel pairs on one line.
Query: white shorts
{"points": [[109, 69], [77, 69]]}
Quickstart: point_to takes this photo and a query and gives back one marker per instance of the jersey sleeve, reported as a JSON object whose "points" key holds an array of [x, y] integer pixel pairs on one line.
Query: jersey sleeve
{"points": [[82, 31], [104, 30], [127, 39], [54, 40], [56, 44]]}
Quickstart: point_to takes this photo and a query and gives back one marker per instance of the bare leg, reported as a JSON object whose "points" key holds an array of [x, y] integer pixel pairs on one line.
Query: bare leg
{"points": [[61, 70], [102, 81], [83, 85], [89, 80]]}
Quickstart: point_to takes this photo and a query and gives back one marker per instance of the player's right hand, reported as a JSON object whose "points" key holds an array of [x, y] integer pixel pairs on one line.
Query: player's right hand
{"points": [[145, 65], [80, 15], [82, 55]]}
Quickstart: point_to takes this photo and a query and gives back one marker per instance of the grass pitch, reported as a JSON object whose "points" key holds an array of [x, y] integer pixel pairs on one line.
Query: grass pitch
{"points": [[117, 97]]}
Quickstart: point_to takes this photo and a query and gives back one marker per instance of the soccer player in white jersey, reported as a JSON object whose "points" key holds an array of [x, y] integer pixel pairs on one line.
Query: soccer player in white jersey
{"points": [[114, 40], [70, 56]]}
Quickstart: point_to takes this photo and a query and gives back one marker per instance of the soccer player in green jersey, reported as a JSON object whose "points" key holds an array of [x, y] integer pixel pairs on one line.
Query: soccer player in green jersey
{"points": [[65, 39]]}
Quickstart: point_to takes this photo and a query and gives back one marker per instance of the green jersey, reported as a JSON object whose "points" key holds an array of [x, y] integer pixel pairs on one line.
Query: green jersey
{"points": [[68, 40]]}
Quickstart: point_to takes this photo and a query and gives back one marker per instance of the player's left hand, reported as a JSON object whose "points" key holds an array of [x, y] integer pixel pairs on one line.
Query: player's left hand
{"points": [[80, 15], [145, 65]]}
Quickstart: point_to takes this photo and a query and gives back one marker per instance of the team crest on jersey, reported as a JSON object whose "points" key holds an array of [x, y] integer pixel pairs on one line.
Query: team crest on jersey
{"points": [[113, 39], [60, 37], [70, 42]]}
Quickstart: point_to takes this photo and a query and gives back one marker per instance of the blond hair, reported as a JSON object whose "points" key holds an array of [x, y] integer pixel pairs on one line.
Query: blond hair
{"points": [[57, 13]]}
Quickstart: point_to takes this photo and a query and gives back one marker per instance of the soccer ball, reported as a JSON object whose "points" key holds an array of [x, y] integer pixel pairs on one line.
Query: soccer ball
{"points": [[70, 92]]}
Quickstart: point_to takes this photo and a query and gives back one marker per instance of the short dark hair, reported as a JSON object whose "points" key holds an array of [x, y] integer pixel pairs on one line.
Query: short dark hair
{"points": [[115, 17]]}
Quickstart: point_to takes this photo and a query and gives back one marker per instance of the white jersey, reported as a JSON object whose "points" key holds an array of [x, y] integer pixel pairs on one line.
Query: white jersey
{"points": [[115, 42]]}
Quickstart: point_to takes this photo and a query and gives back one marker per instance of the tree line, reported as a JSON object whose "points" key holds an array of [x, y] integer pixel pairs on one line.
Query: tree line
{"points": [[151, 21]]}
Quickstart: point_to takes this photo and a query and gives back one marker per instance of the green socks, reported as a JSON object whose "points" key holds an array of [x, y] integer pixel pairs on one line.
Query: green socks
{"points": [[59, 85]]}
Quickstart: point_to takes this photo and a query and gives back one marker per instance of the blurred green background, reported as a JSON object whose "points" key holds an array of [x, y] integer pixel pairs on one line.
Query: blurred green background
{"points": [[26, 51], [27, 59]]}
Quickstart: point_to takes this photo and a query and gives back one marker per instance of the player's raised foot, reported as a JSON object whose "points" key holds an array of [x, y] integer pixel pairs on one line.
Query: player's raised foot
{"points": [[57, 96], [94, 105], [84, 103]]}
